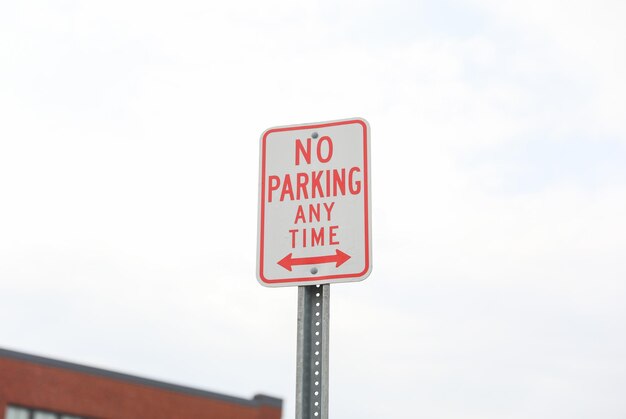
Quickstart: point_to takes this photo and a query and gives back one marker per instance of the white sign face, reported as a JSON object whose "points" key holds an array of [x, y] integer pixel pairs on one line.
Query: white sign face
{"points": [[314, 204]]}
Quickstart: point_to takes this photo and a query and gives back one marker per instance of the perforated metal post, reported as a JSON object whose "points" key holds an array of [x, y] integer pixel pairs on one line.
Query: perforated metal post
{"points": [[312, 359]]}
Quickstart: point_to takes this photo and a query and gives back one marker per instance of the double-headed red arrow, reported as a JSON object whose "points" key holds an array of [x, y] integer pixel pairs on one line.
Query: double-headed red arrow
{"points": [[339, 258]]}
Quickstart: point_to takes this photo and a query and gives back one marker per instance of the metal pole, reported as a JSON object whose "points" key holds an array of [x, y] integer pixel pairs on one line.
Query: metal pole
{"points": [[312, 359]]}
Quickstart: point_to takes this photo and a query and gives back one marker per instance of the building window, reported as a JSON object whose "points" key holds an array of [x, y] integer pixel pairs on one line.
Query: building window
{"points": [[18, 412]]}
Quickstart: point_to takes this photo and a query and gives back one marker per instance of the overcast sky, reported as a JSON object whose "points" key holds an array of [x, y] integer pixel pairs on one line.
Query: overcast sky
{"points": [[129, 135]]}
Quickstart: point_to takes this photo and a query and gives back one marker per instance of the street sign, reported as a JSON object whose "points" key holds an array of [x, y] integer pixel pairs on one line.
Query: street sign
{"points": [[314, 204]]}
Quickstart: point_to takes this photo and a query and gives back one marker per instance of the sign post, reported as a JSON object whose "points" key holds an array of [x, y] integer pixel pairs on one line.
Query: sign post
{"points": [[314, 230], [312, 352]]}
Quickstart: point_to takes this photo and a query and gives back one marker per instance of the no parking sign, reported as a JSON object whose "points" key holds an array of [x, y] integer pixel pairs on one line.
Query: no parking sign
{"points": [[314, 204]]}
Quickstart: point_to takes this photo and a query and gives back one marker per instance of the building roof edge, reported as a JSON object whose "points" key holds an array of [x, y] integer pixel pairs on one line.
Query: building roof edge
{"points": [[257, 400]]}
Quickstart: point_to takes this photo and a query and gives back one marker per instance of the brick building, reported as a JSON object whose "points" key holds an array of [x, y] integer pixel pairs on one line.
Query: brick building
{"points": [[33, 387]]}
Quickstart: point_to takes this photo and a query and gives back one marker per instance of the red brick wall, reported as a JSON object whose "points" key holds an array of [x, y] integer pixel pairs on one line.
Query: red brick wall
{"points": [[56, 389]]}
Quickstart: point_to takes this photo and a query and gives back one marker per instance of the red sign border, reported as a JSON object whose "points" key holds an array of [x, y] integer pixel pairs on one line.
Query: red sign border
{"points": [[262, 200]]}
